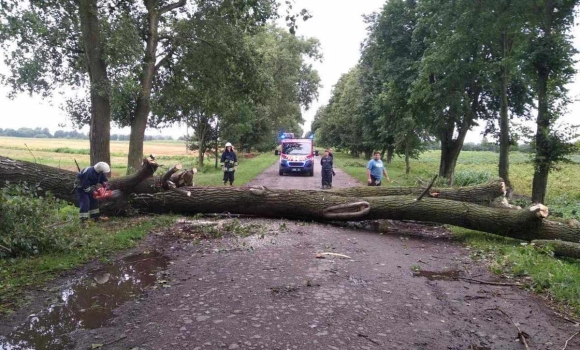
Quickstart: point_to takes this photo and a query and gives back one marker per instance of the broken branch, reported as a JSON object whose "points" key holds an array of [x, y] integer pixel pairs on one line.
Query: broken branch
{"points": [[428, 188]]}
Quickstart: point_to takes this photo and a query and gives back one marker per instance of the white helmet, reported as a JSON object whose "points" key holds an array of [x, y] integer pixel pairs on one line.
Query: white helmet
{"points": [[102, 167], [229, 145]]}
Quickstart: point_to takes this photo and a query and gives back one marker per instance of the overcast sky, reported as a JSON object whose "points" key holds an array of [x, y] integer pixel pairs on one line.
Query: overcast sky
{"points": [[339, 26]]}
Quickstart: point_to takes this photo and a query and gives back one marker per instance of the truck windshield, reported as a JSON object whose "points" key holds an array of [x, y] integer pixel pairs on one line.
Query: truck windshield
{"points": [[297, 148]]}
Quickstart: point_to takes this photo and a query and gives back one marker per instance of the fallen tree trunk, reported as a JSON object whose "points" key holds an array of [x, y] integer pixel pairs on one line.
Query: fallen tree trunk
{"points": [[61, 182], [560, 248], [527, 224], [484, 193]]}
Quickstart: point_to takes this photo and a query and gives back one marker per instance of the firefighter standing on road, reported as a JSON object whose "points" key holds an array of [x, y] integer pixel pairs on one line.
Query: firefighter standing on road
{"points": [[327, 170], [229, 164], [87, 179]]}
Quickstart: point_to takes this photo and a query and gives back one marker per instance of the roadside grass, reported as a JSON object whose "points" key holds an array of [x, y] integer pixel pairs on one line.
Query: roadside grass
{"points": [[248, 169], [97, 241], [557, 279]]}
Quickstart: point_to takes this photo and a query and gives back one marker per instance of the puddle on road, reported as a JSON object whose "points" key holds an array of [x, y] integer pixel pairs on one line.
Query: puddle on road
{"points": [[438, 275], [87, 303]]}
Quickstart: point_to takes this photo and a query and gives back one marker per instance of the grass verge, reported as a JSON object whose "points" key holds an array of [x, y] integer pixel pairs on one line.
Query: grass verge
{"points": [[97, 241], [557, 279], [248, 169]]}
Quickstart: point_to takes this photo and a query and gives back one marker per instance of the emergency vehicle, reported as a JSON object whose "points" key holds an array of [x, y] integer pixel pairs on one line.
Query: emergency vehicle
{"points": [[296, 155]]}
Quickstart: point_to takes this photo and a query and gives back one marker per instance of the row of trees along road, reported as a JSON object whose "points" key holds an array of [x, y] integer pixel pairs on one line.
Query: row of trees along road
{"points": [[214, 65], [436, 68]]}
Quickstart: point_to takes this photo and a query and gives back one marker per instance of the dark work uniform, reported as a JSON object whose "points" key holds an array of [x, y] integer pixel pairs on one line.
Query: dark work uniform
{"points": [[326, 163], [86, 180], [229, 162]]}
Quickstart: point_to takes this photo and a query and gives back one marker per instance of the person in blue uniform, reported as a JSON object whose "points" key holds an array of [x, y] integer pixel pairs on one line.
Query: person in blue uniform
{"points": [[87, 179], [229, 164], [326, 162]]}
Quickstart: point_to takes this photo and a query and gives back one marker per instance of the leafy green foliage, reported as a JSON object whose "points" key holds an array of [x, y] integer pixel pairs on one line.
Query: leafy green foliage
{"points": [[469, 178], [31, 224]]}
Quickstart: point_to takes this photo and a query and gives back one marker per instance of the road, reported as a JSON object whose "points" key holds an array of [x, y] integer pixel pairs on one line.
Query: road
{"points": [[411, 288], [271, 179]]}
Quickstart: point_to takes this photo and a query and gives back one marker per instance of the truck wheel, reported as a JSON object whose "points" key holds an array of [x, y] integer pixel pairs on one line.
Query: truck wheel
{"points": [[280, 172], [312, 173]]}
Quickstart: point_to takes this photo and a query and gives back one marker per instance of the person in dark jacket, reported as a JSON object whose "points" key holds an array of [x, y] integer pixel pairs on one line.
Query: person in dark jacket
{"points": [[327, 170], [87, 179], [229, 164]]}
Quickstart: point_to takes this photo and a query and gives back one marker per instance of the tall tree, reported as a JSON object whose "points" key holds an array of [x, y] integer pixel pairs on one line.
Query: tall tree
{"points": [[390, 59], [50, 44], [156, 9], [100, 86], [452, 88], [550, 60]]}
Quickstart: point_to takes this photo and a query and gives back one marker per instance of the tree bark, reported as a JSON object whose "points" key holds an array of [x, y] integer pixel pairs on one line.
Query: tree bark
{"points": [[407, 162], [390, 153], [543, 69], [504, 133], [100, 124], [450, 149], [542, 160], [560, 248], [480, 194]]}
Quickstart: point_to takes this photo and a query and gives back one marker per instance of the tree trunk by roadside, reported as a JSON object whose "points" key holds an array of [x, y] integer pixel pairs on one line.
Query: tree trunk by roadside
{"points": [[450, 148], [390, 153], [542, 159], [407, 161], [100, 87], [143, 109], [504, 133]]}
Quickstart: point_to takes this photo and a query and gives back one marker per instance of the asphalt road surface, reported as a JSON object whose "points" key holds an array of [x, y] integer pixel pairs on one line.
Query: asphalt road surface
{"points": [[271, 179]]}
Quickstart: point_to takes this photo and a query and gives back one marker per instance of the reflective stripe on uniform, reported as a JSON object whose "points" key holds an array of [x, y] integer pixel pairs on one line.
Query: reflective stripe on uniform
{"points": [[83, 215], [93, 211]]}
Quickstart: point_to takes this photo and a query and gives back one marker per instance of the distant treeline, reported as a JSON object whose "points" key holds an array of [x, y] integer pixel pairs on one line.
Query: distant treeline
{"points": [[44, 133]]}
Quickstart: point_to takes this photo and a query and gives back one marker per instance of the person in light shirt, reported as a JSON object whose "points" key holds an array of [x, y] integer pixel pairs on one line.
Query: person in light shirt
{"points": [[376, 170]]}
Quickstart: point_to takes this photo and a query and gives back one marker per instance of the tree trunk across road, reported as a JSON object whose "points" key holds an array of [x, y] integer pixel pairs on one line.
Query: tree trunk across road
{"points": [[526, 224]]}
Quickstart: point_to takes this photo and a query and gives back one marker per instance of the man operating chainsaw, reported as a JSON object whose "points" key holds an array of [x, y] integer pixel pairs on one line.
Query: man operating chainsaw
{"points": [[87, 180]]}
